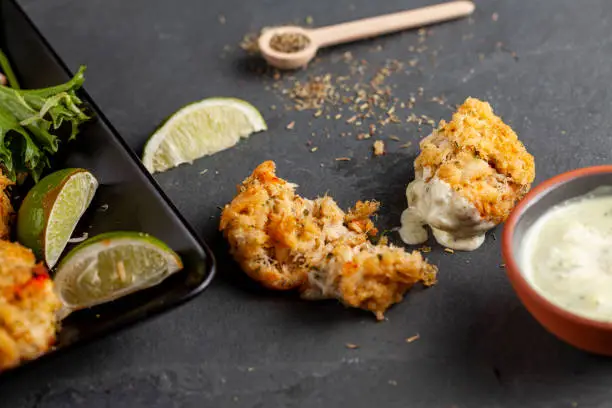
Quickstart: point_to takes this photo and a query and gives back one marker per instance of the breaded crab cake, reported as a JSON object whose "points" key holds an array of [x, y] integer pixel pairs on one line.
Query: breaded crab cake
{"points": [[285, 242], [28, 306], [469, 175]]}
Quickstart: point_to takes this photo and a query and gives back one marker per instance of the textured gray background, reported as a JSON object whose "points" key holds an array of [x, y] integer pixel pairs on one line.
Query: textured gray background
{"points": [[239, 346]]}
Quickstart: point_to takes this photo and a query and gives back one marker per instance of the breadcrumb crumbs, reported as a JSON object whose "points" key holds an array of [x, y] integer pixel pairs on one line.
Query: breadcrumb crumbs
{"points": [[413, 338], [379, 148], [372, 129], [291, 125], [351, 346], [450, 251]]}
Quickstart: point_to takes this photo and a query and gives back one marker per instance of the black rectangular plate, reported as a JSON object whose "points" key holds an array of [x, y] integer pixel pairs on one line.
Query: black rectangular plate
{"points": [[128, 198]]}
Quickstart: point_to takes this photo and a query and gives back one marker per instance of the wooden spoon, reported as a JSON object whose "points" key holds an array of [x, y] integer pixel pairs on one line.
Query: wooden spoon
{"points": [[356, 30]]}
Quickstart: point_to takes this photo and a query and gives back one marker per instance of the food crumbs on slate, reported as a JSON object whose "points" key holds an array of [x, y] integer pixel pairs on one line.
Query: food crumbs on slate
{"points": [[379, 148]]}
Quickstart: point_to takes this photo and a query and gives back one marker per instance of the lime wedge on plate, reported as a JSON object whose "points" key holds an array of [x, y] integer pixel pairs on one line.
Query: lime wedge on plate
{"points": [[111, 265], [51, 210], [200, 129]]}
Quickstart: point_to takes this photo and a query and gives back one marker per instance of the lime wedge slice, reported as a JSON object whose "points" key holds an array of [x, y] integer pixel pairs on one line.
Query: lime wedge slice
{"points": [[51, 210], [111, 265], [200, 129]]}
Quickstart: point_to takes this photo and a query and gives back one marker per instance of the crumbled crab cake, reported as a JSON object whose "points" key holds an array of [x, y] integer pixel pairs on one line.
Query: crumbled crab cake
{"points": [[469, 175], [28, 306], [367, 276], [286, 242]]}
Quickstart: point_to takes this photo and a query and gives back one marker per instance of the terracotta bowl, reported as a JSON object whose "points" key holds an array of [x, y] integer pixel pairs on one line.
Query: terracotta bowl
{"points": [[587, 334]]}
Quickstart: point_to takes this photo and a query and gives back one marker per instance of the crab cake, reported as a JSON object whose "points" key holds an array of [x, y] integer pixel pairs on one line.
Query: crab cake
{"points": [[285, 241], [469, 175], [28, 306]]}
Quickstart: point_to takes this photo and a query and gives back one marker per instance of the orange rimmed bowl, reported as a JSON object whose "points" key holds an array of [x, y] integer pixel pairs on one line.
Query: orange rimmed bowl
{"points": [[587, 334]]}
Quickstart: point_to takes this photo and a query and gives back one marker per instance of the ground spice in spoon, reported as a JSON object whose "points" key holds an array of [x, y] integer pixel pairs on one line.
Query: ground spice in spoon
{"points": [[289, 42]]}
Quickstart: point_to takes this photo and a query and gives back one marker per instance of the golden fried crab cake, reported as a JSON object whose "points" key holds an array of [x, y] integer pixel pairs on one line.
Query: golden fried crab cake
{"points": [[28, 306], [275, 234], [369, 277], [469, 175], [285, 241]]}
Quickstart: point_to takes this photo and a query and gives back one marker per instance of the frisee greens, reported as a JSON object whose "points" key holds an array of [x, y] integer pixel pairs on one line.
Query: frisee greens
{"points": [[30, 120]]}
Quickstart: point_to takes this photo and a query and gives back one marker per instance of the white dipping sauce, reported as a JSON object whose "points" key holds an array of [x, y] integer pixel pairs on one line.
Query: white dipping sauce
{"points": [[567, 255], [455, 222]]}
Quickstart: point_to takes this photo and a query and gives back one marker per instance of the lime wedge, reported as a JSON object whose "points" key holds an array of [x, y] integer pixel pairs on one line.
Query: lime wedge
{"points": [[112, 265], [51, 210], [200, 129]]}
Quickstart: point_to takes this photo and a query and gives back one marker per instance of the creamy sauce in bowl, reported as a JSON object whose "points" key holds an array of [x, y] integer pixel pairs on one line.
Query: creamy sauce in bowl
{"points": [[566, 255]]}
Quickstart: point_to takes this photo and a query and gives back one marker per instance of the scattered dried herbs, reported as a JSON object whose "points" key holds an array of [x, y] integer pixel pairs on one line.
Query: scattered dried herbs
{"points": [[289, 42], [314, 93]]}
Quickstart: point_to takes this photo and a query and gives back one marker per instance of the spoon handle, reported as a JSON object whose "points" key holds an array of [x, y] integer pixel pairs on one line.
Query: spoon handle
{"points": [[370, 27]]}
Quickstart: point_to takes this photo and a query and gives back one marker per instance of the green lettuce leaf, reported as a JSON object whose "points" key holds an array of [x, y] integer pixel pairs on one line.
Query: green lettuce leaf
{"points": [[29, 121]]}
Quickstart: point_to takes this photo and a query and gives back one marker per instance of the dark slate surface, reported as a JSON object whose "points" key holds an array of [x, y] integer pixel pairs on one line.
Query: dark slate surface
{"points": [[239, 346]]}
